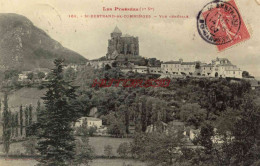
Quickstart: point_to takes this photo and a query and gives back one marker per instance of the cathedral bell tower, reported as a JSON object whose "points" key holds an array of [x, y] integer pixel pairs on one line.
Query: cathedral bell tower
{"points": [[116, 33]]}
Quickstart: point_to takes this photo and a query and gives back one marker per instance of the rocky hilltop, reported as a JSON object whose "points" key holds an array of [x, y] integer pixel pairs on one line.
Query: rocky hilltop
{"points": [[23, 46]]}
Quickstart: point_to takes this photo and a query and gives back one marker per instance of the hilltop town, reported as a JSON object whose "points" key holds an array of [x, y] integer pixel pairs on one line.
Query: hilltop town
{"points": [[123, 52]]}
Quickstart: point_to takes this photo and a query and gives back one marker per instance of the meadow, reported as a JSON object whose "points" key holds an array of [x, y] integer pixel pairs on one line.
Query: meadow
{"points": [[97, 142]]}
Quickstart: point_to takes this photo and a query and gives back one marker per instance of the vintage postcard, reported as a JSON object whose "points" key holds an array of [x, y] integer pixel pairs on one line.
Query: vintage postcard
{"points": [[129, 83]]}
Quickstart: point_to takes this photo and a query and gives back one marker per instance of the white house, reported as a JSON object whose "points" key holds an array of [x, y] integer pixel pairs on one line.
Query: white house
{"points": [[91, 122], [140, 69], [155, 69]]}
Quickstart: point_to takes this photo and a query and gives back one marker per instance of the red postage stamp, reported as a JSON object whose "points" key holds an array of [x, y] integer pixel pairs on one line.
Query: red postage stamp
{"points": [[220, 23]]}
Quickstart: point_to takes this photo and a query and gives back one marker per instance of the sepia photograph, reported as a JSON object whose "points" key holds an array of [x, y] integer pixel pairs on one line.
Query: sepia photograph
{"points": [[129, 83]]}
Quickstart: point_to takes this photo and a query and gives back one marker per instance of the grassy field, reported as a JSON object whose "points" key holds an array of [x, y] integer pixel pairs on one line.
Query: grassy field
{"points": [[97, 142], [96, 162], [100, 142]]}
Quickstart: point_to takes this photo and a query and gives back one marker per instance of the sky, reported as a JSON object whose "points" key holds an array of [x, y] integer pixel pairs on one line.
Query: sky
{"points": [[165, 39]]}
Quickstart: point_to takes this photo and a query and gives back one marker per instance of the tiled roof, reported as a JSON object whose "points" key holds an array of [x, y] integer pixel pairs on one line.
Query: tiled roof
{"points": [[226, 64], [237, 69], [91, 118], [207, 65], [172, 62], [188, 63]]}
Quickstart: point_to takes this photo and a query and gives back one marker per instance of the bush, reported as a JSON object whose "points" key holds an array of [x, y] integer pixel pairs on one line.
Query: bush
{"points": [[108, 150], [30, 146], [92, 130], [123, 149], [41, 75], [84, 152]]}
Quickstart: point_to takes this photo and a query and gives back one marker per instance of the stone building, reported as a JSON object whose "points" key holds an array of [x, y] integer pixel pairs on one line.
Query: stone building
{"points": [[179, 67], [90, 121], [224, 68], [220, 67], [122, 45]]}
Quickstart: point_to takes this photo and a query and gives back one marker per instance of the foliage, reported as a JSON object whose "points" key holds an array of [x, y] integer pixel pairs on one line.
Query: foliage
{"points": [[30, 114], [38, 109], [92, 130], [116, 127], [21, 120], [30, 75], [158, 148], [108, 151], [8, 74], [219, 108], [69, 74], [123, 149], [57, 145], [12, 124], [245, 74], [26, 114], [16, 124], [84, 152], [192, 114], [6, 126], [41, 75], [30, 145]]}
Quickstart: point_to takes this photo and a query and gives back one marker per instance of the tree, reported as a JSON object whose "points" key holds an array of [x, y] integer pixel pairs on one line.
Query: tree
{"points": [[6, 126], [84, 152], [30, 75], [245, 74], [16, 124], [92, 130], [8, 74], [70, 74], [197, 66], [206, 133], [30, 115], [13, 124], [26, 114], [30, 145], [41, 75], [116, 128], [0, 109], [56, 145], [192, 114], [158, 148], [123, 149], [21, 120], [38, 109], [108, 151]]}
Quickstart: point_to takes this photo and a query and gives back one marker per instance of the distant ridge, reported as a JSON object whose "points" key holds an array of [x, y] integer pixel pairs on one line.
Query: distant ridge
{"points": [[24, 46]]}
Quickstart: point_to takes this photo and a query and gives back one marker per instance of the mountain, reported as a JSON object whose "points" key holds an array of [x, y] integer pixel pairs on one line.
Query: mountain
{"points": [[23, 46]]}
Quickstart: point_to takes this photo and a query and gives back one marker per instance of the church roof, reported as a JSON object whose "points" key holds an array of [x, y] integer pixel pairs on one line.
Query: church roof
{"points": [[116, 30]]}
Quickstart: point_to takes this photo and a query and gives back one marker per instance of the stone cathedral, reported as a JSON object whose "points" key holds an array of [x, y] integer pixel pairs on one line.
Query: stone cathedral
{"points": [[123, 45]]}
